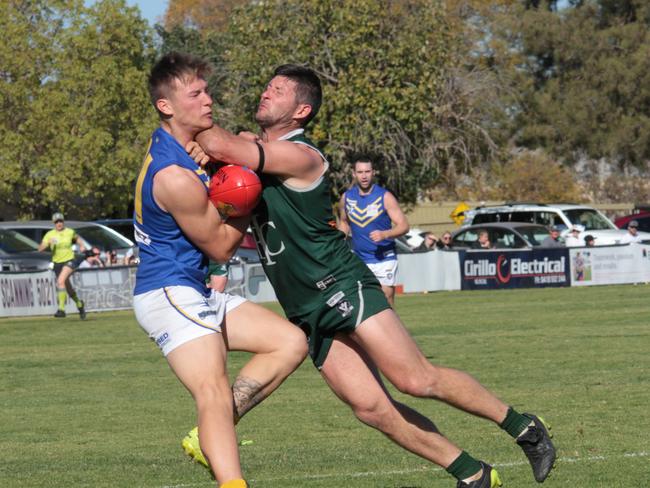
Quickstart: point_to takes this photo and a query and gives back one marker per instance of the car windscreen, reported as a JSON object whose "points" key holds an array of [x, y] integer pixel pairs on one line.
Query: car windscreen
{"points": [[13, 242], [533, 234], [100, 237], [590, 219]]}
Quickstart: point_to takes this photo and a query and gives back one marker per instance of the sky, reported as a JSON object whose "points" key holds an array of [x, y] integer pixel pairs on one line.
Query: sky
{"points": [[151, 10]]}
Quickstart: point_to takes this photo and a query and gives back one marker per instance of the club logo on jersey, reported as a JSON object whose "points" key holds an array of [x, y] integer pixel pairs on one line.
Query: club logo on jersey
{"points": [[361, 217], [266, 254], [345, 308]]}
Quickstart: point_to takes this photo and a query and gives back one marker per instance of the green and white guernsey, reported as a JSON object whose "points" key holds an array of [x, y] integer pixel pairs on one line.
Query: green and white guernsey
{"points": [[304, 256]]}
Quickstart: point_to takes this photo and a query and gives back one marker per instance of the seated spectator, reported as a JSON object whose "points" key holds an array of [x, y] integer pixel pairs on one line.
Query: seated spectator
{"points": [[483, 241], [590, 241], [428, 243], [92, 259], [444, 242], [554, 239]]}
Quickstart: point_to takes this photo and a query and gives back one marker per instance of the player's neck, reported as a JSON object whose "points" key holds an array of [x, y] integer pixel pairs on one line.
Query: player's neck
{"points": [[367, 191], [277, 132], [183, 135]]}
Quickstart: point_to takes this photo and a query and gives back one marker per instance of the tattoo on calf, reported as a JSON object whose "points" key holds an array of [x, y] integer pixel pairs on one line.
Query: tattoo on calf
{"points": [[246, 393]]}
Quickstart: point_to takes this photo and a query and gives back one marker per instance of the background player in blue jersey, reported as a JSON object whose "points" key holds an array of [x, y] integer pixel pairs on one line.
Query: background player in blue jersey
{"points": [[372, 216], [178, 230]]}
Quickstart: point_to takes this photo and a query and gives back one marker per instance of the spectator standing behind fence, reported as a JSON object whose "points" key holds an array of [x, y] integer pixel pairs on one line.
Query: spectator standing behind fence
{"points": [[444, 242], [92, 259], [429, 243], [553, 240], [632, 235], [372, 216], [60, 240]]}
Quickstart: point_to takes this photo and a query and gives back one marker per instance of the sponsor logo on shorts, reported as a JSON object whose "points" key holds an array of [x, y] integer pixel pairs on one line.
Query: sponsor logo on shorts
{"points": [[206, 313], [336, 298], [345, 308], [326, 282], [389, 276], [162, 340]]}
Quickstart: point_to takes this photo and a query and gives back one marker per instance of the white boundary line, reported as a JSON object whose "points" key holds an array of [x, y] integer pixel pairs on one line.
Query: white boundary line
{"points": [[362, 474]]}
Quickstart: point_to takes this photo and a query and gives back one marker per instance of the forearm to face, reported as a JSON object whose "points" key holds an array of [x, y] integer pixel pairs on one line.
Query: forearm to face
{"points": [[227, 147]]}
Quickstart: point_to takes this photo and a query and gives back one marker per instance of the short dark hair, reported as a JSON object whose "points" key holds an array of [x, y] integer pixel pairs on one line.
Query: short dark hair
{"points": [[174, 66], [309, 89], [362, 158]]}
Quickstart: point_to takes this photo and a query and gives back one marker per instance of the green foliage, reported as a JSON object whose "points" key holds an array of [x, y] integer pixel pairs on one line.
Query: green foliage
{"points": [[382, 64], [76, 117], [589, 73]]}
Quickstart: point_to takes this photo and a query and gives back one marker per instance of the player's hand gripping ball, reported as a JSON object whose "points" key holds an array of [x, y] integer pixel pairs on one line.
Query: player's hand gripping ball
{"points": [[235, 190]]}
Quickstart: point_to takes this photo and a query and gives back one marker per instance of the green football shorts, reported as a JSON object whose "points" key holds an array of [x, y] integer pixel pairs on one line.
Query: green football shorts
{"points": [[342, 312]]}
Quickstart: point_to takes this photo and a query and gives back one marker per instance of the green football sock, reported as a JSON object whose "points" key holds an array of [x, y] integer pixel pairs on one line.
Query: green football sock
{"points": [[463, 467], [514, 423], [61, 295], [76, 300]]}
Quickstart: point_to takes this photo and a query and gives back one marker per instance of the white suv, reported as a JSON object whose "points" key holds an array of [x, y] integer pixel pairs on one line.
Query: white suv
{"points": [[563, 216]]}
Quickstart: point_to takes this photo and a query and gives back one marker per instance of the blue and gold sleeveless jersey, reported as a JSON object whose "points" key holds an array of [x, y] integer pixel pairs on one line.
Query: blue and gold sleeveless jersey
{"points": [[167, 257], [365, 214]]}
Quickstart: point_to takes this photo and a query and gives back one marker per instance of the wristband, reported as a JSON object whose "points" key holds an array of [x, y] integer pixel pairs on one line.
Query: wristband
{"points": [[260, 164]]}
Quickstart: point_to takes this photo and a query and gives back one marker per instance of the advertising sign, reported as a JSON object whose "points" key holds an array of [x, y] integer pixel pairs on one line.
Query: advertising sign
{"points": [[610, 265], [514, 269]]}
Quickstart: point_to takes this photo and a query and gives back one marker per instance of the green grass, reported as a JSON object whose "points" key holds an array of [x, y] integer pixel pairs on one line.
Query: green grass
{"points": [[93, 404]]}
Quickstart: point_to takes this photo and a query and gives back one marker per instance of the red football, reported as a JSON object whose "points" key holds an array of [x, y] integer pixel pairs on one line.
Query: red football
{"points": [[235, 190]]}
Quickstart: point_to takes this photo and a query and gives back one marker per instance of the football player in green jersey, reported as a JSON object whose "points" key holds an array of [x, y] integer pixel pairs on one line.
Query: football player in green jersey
{"points": [[329, 293]]}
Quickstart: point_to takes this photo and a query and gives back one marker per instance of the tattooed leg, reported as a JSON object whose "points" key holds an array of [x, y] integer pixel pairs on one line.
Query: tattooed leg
{"points": [[246, 393]]}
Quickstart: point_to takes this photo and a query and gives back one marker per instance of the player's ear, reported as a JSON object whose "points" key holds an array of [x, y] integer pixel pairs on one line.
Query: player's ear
{"points": [[164, 106], [302, 111]]}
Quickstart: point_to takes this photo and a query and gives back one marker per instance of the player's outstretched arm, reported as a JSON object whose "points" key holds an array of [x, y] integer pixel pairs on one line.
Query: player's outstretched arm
{"points": [[180, 193], [281, 158]]}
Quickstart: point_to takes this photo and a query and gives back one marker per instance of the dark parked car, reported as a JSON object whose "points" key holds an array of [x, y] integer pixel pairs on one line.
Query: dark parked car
{"points": [[505, 235], [20, 253], [643, 218], [92, 234]]}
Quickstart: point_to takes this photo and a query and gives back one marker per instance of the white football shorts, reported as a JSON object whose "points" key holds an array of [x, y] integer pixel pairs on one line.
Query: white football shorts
{"points": [[174, 315], [385, 271]]}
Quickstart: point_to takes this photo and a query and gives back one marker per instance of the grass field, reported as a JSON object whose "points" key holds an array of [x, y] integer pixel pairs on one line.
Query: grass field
{"points": [[93, 404]]}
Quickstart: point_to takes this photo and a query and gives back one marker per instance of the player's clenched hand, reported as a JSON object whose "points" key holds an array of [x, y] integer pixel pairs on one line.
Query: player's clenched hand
{"points": [[197, 153], [377, 235]]}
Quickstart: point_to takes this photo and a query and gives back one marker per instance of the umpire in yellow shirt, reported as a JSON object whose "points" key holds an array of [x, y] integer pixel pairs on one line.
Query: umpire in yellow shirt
{"points": [[60, 240]]}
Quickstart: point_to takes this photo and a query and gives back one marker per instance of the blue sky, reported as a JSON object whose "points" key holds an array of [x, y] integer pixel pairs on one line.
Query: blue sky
{"points": [[152, 10]]}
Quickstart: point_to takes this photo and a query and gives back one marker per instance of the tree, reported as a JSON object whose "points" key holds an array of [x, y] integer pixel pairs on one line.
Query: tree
{"points": [[202, 15], [76, 116], [533, 176], [588, 88], [392, 87]]}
